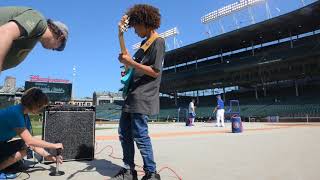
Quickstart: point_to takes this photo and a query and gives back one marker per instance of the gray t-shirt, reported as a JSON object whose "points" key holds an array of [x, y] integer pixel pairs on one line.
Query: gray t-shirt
{"points": [[33, 25], [143, 96]]}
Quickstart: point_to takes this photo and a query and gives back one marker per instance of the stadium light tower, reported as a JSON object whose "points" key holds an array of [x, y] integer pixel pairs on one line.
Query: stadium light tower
{"points": [[73, 81], [171, 33], [269, 15], [230, 9], [165, 35]]}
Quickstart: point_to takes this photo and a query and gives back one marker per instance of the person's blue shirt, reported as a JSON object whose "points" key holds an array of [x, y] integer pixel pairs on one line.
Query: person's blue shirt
{"points": [[220, 104], [11, 118]]}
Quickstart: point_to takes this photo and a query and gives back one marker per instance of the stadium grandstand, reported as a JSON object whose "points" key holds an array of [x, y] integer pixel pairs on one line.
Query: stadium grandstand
{"points": [[9, 93], [108, 105], [271, 67]]}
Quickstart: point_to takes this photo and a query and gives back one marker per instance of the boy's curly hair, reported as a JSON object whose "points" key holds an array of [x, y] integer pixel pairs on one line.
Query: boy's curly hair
{"points": [[144, 14]]}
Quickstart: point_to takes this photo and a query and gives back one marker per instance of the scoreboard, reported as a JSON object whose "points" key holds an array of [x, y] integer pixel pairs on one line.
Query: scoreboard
{"points": [[55, 91]]}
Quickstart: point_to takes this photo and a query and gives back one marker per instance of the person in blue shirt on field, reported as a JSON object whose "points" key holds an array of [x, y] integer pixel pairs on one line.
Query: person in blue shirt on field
{"points": [[15, 121], [220, 112]]}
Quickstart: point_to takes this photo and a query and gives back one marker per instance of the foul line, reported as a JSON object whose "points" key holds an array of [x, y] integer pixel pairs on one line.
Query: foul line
{"points": [[191, 133]]}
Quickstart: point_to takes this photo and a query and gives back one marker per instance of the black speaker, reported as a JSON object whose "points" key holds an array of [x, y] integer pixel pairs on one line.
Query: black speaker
{"points": [[74, 127]]}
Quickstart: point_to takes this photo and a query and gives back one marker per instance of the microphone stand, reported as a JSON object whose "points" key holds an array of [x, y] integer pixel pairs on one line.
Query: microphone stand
{"points": [[57, 172]]}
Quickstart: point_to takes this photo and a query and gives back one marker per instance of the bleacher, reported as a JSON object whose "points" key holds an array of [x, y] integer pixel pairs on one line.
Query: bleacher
{"points": [[285, 105], [108, 111], [6, 102], [306, 45], [282, 110], [278, 102]]}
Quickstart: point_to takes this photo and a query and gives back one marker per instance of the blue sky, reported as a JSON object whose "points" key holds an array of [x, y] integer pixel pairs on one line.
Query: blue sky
{"points": [[93, 43]]}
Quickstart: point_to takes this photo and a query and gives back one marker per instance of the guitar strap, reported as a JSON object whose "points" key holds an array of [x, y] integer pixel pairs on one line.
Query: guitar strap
{"points": [[139, 54], [147, 44]]}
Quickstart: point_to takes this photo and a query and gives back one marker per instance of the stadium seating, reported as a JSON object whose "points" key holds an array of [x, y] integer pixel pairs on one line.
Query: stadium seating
{"points": [[108, 111], [6, 102], [278, 102]]}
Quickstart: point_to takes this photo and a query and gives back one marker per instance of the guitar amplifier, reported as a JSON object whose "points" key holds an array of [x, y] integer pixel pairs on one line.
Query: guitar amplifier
{"points": [[74, 127]]}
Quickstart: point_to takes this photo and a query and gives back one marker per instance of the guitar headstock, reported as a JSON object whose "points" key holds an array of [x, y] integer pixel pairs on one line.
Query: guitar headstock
{"points": [[124, 23]]}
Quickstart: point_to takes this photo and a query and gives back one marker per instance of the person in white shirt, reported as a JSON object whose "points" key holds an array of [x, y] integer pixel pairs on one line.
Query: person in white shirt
{"points": [[192, 113]]}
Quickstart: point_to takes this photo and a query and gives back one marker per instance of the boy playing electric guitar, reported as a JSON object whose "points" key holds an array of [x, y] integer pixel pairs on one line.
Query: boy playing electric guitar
{"points": [[142, 99]]}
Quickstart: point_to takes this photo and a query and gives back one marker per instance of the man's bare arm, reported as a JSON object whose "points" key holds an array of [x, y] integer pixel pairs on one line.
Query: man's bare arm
{"points": [[8, 33]]}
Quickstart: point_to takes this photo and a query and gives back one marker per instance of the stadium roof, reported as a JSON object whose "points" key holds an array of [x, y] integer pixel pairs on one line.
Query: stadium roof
{"points": [[303, 20]]}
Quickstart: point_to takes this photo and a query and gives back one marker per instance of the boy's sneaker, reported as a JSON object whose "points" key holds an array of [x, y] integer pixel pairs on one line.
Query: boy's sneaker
{"points": [[125, 174], [2, 176], [7, 176], [151, 176]]}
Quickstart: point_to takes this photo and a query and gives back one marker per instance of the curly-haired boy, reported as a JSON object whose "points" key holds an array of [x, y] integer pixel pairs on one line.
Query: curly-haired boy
{"points": [[143, 96]]}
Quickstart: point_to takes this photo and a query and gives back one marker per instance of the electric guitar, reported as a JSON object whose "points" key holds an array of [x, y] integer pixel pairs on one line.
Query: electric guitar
{"points": [[127, 76]]}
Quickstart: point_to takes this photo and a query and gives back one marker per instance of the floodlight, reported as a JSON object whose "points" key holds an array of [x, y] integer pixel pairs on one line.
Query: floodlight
{"points": [[226, 10], [169, 33]]}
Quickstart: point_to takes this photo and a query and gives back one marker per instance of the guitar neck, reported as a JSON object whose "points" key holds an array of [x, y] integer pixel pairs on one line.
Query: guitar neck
{"points": [[122, 44]]}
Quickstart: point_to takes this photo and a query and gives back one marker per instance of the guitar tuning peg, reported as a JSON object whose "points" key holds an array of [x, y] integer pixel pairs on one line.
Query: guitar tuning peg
{"points": [[123, 28]]}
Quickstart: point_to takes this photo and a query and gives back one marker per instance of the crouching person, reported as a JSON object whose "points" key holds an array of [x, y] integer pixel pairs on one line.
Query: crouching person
{"points": [[15, 121]]}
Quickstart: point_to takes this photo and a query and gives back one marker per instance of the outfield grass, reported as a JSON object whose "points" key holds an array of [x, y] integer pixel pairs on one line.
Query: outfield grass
{"points": [[37, 130], [37, 125]]}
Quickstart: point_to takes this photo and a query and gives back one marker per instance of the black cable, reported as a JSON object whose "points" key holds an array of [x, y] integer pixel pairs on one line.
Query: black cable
{"points": [[24, 170]]}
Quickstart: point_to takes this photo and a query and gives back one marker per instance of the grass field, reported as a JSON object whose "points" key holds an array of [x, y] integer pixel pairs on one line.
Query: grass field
{"points": [[37, 124], [37, 129]]}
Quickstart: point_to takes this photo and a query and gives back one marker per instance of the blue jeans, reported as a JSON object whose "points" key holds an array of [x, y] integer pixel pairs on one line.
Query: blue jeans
{"points": [[134, 127]]}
